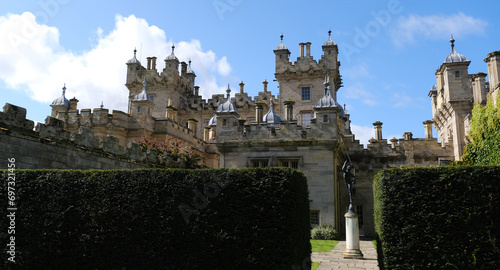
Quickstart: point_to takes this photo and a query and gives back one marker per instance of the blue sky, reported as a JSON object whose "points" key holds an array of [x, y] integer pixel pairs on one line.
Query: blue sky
{"points": [[389, 50]]}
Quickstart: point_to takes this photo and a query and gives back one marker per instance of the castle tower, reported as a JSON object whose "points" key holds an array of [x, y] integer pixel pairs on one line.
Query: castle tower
{"points": [[61, 104], [452, 100], [134, 68], [190, 76], [171, 69], [326, 108], [302, 81]]}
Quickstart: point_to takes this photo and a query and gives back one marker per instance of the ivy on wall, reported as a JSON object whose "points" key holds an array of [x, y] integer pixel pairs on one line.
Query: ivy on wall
{"points": [[484, 133]]}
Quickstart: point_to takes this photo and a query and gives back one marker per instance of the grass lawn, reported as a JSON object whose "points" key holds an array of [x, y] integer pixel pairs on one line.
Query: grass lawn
{"points": [[315, 265], [323, 245]]}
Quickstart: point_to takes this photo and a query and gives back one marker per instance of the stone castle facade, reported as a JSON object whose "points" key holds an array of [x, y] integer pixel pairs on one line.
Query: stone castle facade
{"points": [[302, 127]]}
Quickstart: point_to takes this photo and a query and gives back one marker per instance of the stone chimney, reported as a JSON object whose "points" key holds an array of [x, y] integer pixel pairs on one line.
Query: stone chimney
{"points": [[258, 111], [301, 49], [394, 142], [428, 129], [308, 49], [153, 66], [264, 83], [242, 87], [289, 110], [378, 130], [196, 90], [73, 104], [148, 67]]}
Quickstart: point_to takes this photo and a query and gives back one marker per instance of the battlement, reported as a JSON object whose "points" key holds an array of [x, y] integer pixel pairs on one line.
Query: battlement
{"points": [[50, 145]]}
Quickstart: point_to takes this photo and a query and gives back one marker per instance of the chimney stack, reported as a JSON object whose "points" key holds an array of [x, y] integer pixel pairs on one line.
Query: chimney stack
{"points": [[265, 85], [153, 62], [308, 49], [289, 110], [196, 91], [428, 129], [242, 89], [258, 111], [378, 130], [301, 49], [149, 63], [73, 103]]}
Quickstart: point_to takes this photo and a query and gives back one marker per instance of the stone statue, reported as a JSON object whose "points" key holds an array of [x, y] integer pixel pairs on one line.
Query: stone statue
{"points": [[350, 181]]}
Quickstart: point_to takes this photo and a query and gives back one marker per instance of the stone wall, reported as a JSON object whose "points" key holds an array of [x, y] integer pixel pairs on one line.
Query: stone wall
{"points": [[49, 146]]}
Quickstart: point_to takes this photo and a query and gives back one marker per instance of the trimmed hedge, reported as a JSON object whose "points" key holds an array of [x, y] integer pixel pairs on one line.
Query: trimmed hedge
{"points": [[158, 219], [438, 218]]}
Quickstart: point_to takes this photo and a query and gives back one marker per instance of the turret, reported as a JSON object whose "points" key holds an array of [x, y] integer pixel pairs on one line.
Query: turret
{"points": [[61, 104], [142, 103], [190, 75], [330, 53], [171, 64], [282, 56], [134, 68]]}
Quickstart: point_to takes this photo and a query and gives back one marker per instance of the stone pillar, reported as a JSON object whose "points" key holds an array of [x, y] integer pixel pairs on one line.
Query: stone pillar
{"points": [[289, 110], [301, 49], [242, 87], [378, 130], [264, 84], [428, 129], [149, 63], [153, 66], [73, 104], [258, 111], [308, 49], [352, 250], [196, 91]]}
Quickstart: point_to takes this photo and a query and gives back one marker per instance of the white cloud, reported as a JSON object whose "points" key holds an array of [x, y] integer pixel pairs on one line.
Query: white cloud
{"points": [[436, 26], [32, 59], [358, 91], [356, 72], [362, 133]]}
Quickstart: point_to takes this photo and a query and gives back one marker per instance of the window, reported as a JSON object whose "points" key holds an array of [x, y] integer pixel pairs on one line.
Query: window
{"points": [[224, 122], [306, 119], [306, 93], [259, 163], [325, 118], [314, 218], [457, 74], [289, 163]]}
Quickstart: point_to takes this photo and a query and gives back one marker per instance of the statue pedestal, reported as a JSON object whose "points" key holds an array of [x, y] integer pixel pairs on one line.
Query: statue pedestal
{"points": [[352, 250]]}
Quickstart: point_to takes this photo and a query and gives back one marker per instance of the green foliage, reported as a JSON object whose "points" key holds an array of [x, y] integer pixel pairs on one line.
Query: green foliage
{"points": [[315, 265], [324, 232], [485, 146], [158, 219], [438, 218], [175, 149], [323, 245]]}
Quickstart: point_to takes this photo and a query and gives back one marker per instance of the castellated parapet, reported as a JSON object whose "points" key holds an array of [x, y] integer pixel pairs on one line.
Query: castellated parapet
{"points": [[50, 145]]}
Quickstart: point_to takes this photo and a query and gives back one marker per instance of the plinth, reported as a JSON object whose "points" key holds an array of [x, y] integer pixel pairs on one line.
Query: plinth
{"points": [[352, 250]]}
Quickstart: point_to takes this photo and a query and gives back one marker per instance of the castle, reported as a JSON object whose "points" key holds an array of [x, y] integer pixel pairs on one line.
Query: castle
{"points": [[303, 127]]}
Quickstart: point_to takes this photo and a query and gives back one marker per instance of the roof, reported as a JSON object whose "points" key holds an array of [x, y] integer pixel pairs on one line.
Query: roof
{"points": [[454, 57], [62, 100], [271, 117], [143, 95]]}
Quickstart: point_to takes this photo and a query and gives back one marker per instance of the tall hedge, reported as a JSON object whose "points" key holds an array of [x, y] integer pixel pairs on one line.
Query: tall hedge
{"points": [[158, 219], [438, 218]]}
